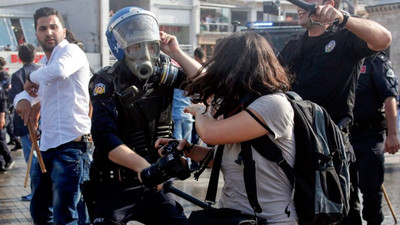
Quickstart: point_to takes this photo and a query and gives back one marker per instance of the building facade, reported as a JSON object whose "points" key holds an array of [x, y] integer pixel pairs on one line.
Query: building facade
{"points": [[83, 17], [196, 23], [386, 13]]}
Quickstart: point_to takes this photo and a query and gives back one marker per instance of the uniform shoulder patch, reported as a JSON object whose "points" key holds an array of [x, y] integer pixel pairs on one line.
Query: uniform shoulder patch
{"points": [[99, 89], [99, 86], [390, 73]]}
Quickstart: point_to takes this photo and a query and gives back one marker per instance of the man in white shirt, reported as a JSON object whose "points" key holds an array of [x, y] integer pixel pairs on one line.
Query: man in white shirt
{"points": [[61, 86]]}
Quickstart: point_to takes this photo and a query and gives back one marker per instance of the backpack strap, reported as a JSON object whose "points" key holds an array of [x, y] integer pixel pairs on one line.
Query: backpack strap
{"points": [[269, 150], [213, 182], [274, 152], [259, 121], [249, 175]]}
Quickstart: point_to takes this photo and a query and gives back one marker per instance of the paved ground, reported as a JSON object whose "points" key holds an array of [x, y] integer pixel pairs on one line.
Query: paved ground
{"points": [[14, 211]]}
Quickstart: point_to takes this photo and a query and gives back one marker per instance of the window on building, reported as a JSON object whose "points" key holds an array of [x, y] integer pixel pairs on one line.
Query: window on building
{"points": [[18, 32], [181, 32], [28, 27], [207, 15], [7, 36], [217, 15], [224, 15]]}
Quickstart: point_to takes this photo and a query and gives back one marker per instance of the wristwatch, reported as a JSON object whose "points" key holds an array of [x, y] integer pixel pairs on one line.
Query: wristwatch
{"points": [[346, 16]]}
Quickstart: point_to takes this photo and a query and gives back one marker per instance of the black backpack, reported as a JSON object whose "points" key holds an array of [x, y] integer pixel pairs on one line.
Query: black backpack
{"points": [[320, 176]]}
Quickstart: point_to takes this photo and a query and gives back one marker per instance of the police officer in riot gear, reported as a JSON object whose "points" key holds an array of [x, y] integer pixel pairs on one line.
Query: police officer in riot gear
{"points": [[374, 132], [131, 109]]}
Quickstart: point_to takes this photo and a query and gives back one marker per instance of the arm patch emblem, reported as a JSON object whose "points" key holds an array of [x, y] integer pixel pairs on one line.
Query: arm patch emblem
{"points": [[390, 73], [99, 89]]}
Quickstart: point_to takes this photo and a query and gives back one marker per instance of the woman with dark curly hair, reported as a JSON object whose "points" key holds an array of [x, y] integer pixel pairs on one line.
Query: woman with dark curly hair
{"points": [[242, 78]]}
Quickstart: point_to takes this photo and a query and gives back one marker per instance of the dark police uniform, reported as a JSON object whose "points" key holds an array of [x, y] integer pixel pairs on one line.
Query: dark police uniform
{"points": [[130, 111], [326, 70], [376, 83]]}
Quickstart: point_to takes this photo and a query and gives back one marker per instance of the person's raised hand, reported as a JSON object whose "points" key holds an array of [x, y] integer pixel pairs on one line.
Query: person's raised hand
{"points": [[23, 109], [31, 88], [169, 43], [195, 108]]}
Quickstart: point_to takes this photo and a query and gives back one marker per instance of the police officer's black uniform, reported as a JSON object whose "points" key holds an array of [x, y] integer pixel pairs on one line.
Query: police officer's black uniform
{"points": [[326, 68], [377, 82], [134, 112]]}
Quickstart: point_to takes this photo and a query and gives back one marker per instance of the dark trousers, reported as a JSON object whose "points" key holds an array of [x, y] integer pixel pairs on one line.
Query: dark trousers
{"points": [[118, 203], [10, 126], [5, 155], [367, 175]]}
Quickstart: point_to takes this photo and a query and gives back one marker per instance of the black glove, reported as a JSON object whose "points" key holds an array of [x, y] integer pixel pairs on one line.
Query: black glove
{"points": [[172, 164]]}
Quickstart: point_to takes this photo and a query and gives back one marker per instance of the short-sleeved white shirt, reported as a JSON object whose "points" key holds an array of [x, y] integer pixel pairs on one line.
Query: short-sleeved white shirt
{"points": [[273, 187]]}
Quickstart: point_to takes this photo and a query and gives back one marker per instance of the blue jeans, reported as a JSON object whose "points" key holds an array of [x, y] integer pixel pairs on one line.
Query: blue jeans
{"points": [[55, 194], [26, 149], [83, 214], [183, 129], [26, 146]]}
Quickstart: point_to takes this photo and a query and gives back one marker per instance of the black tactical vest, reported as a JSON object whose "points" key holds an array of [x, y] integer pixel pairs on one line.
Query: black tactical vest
{"points": [[144, 114]]}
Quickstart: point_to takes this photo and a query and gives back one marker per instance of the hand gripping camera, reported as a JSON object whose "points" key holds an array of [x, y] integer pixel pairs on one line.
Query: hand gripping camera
{"points": [[172, 164]]}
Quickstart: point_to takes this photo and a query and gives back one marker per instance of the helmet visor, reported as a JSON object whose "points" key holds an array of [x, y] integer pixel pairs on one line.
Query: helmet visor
{"points": [[135, 29], [137, 50]]}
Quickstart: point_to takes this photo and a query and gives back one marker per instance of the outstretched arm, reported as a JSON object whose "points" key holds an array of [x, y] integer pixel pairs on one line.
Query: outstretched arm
{"points": [[377, 37]]}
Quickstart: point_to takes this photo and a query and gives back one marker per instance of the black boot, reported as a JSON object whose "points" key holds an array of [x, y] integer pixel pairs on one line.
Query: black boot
{"points": [[17, 146]]}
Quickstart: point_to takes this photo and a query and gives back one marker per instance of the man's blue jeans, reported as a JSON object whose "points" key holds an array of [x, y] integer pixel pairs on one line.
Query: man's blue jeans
{"points": [[26, 149], [83, 214], [183, 129], [55, 194], [26, 146]]}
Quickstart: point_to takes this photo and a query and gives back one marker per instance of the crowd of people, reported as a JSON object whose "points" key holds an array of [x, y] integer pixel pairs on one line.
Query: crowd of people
{"points": [[155, 93]]}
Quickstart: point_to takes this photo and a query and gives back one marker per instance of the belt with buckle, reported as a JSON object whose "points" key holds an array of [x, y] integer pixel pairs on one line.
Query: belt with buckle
{"points": [[84, 138], [123, 175]]}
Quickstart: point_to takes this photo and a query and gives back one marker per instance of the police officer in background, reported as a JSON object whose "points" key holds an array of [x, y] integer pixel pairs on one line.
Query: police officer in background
{"points": [[131, 109], [374, 131]]}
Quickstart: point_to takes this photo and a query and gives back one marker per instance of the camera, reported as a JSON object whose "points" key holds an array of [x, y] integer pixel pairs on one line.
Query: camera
{"points": [[172, 164], [171, 147], [168, 74]]}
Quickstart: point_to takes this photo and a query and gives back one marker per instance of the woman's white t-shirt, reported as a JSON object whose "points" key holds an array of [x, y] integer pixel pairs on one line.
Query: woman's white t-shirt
{"points": [[273, 187]]}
